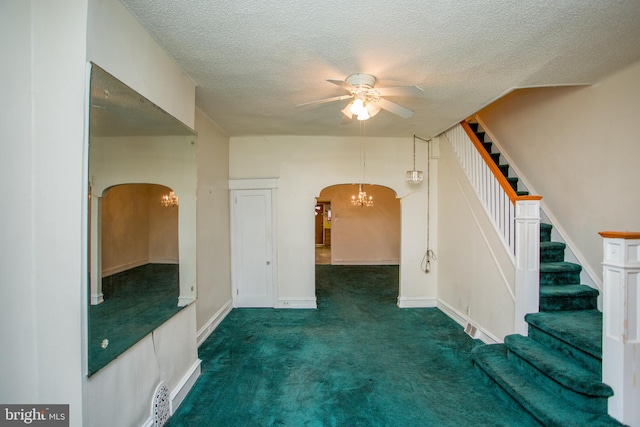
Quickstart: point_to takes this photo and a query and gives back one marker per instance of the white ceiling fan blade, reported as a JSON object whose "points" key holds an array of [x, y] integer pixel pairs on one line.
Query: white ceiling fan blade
{"points": [[322, 101], [394, 108], [341, 83], [400, 91]]}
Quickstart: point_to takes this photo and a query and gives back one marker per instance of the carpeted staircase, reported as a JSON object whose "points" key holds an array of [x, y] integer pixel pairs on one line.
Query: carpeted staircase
{"points": [[555, 373]]}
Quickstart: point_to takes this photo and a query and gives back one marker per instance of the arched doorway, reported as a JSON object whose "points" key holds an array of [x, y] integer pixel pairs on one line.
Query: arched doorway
{"points": [[137, 283], [359, 235]]}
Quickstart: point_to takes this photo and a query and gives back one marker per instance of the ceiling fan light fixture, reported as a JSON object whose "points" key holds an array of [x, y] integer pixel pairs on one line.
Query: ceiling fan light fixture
{"points": [[363, 114], [357, 106], [372, 108]]}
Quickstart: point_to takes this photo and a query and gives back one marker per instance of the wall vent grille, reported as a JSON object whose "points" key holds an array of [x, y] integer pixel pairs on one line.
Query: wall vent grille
{"points": [[471, 330], [161, 409]]}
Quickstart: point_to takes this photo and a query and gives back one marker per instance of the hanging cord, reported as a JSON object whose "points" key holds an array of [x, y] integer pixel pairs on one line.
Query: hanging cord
{"points": [[429, 255]]}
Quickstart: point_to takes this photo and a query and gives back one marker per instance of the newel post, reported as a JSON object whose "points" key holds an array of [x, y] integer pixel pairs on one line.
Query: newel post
{"points": [[527, 258], [621, 328]]}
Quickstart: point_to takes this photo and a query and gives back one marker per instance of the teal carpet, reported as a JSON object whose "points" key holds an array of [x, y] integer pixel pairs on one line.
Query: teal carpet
{"points": [[136, 302], [358, 360]]}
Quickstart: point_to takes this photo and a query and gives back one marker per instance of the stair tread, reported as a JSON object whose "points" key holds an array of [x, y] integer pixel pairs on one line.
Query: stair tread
{"points": [[545, 406], [551, 291], [581, 329], [558, 367], [559, 266]]}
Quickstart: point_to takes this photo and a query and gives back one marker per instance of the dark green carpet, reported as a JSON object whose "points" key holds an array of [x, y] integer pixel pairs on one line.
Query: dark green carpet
{"points": [[136, 302], [358, 360]]}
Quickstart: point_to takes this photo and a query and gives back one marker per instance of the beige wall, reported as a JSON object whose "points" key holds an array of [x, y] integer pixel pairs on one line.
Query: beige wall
{"points": [[163, 227], [303, 166], [476, 274], [136, 228], [364, 235], [578, 148], [125, 228], [213, 241]]}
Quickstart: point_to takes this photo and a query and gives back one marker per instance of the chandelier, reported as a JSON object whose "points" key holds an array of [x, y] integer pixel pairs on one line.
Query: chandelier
{"points": [[362, 200], [169, 200], [414, 176]]}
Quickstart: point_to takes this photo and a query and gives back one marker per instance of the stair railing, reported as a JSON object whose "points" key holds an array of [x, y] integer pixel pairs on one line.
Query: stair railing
{"points": [[515, 218]]}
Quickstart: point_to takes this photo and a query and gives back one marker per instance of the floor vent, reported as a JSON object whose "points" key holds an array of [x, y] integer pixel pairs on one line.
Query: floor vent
{"points": [[471, 330], [161, 410]]}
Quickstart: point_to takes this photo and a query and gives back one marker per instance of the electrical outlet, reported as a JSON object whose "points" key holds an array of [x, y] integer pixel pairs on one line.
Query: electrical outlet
{"points": [[468, 310]]}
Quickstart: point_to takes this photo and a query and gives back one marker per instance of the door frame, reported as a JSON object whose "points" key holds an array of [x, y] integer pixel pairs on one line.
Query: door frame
{"points": [[253, 184]]}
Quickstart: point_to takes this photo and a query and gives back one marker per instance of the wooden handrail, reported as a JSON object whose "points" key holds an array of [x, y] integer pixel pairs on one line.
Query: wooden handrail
{"points": [[629, 235], [508, 189]]}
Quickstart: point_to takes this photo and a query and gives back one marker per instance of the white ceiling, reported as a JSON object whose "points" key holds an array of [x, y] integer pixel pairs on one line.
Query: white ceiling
{"points": [[253, 61]]}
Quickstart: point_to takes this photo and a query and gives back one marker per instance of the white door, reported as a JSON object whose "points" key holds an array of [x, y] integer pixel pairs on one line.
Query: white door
{"points": [[252, 248]]}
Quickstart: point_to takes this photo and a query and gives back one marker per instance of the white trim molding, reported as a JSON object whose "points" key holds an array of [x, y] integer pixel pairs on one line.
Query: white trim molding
{"points": [[180, 391], [527, 257], [483, 335], [414, 302], [213, 323], [621, 323], [297, 303], [253, 184]]}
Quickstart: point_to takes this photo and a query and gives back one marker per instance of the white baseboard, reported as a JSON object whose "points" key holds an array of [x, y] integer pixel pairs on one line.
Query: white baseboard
{"points": [[213, 323], [297, 303], [339, 261], [483, 335], [163, 261], [124, 267], [180, 391], [410, 302]]}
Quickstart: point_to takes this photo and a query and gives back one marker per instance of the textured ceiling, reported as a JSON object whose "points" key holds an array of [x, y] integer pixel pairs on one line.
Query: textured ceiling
{"points": [[254, 61]]}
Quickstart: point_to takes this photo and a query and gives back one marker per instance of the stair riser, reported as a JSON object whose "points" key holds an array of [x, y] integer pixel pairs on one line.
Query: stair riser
{"points": [[585, 359], [552, 255], [545, 233], [568, 303], [510, 400], [596, 405], [559, 278]]}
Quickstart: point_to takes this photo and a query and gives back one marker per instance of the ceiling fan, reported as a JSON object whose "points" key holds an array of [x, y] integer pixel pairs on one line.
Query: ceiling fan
{"points": [[367, 100]]}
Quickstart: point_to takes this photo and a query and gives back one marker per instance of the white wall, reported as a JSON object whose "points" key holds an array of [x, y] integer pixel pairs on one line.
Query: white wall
{"points": [[578, 148], [306, 165], [476, 274], [122, 47], [213, 237], [41, 254]]}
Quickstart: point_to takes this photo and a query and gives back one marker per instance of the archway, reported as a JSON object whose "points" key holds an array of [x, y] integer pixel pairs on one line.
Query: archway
{"points": [[137, 276], [362, 235]]}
